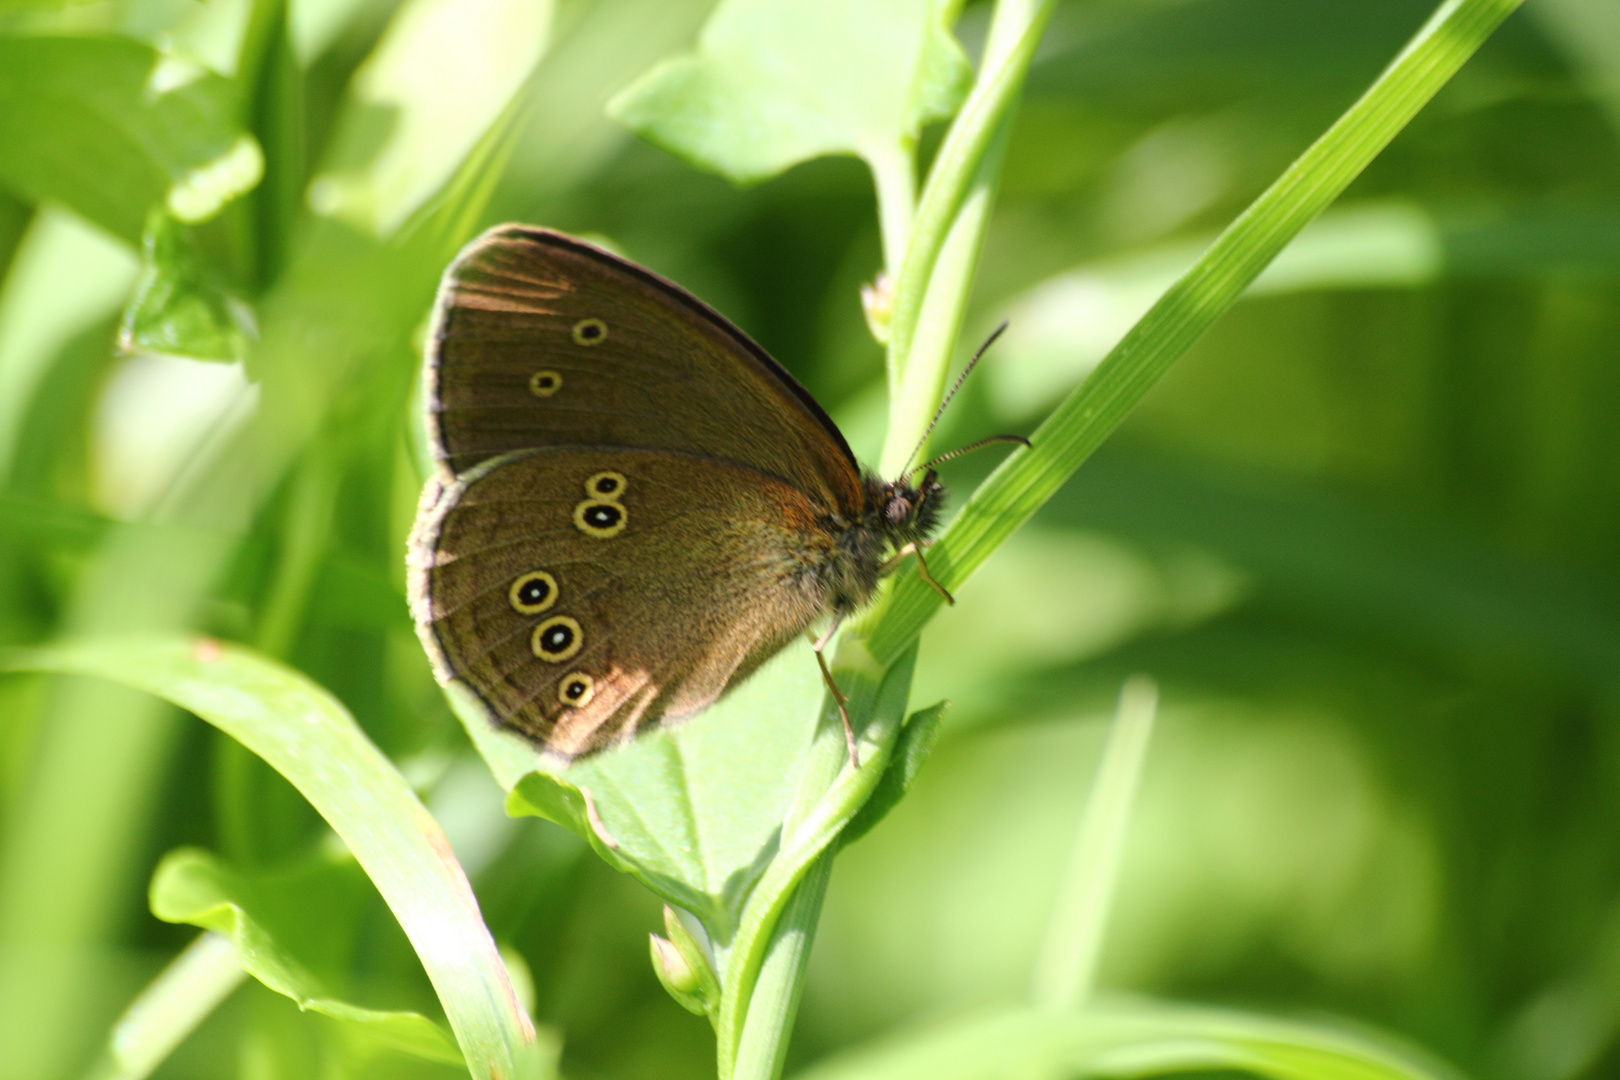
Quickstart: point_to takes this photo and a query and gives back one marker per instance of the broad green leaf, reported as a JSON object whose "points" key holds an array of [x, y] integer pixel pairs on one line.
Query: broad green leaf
{"points": [[178, 308], [1124, 1040], [192, 886], [695, 811], [309, 737], [775, 82], [111, 127], [726, 814]]}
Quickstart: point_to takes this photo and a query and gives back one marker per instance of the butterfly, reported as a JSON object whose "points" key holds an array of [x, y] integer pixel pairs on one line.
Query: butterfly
{"points": [[634, 505]]}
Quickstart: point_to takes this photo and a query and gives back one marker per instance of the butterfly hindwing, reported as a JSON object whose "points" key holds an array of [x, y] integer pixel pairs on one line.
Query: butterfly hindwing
{"points": [[685, 574]]}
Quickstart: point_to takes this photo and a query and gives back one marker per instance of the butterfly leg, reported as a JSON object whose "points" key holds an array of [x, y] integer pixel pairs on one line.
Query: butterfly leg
{"points": [[922, 569], [832, 686]]}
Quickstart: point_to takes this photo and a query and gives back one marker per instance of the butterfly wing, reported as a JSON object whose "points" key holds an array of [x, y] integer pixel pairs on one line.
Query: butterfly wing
{"points": [[543, 340], [690, 575]]}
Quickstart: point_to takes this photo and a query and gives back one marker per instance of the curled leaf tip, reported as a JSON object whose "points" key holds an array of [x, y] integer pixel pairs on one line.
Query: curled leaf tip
{"points": [[595, 820]]}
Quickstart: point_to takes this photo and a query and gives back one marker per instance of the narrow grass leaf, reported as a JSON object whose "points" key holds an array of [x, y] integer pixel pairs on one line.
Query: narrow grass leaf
{"points": [[170, 1008], [1066, 966]]}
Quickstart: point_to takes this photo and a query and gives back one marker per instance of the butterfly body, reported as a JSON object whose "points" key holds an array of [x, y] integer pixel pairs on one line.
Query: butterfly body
{"points": [[635, 505]]}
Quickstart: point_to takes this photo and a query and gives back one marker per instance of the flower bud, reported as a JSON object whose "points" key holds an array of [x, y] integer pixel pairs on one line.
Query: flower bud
{"points": [[677, 975]]}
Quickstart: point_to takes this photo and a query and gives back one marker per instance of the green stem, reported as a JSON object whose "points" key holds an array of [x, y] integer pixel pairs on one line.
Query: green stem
{"points": [[1023, 483], [1028, 478], [1015, 29], [894, 174], [305, 534], [775, 1000], [915, 396], [831, 794]]}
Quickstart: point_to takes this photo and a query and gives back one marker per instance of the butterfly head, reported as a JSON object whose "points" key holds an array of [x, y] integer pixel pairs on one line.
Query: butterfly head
{"points": [[907, 511]]}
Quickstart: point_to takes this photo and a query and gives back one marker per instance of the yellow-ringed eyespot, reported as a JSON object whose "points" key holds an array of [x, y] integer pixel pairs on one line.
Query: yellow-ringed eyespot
{"points": [[556, 639], [600, 518], [576, 689], [533, 592], [606, 485], [544, 383], [590, 332]]}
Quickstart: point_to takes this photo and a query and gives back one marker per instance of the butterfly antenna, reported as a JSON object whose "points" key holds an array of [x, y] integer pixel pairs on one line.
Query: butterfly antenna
{"points": [[970, 447], [960, 379]]}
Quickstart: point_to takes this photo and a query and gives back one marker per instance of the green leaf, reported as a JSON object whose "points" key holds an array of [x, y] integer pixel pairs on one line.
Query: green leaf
{"points": [[916, 742], [111, 127], [307, 736], [776, 82], [1124, 1040], [178, 307], [695, 811], [192, 886]]}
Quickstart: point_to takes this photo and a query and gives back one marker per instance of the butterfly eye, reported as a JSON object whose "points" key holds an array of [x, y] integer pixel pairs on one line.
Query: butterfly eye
{"points": [[576, 689], [557, 639], [590, 332], [533, 592], [606, 485], [544, 383], [600, 518]]}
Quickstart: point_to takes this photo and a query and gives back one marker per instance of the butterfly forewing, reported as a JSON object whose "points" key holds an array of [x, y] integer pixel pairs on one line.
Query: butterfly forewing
{"points": [[541, 340], [652, 608]]}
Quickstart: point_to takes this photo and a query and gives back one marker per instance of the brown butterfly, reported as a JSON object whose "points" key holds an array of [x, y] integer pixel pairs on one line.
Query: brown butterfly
{"points": [[636, 505]]}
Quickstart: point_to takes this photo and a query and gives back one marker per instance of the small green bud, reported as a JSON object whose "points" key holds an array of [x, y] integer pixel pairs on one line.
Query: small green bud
{"points": [[677, 975], [683, 966]]}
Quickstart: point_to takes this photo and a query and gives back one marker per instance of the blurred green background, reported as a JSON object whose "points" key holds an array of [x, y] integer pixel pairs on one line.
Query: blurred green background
{"points": [[1364, 535]]}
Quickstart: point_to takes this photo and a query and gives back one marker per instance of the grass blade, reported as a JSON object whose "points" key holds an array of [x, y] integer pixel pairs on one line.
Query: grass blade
{"points": [[180, 998], [1066, 967], [1078, 426]]}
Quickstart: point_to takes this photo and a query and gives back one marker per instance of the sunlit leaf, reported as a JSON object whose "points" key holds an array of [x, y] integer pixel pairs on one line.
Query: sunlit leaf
{"points": [[178, 308], [193, 887], [774, 83], [910, 752], [696, 811]]}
